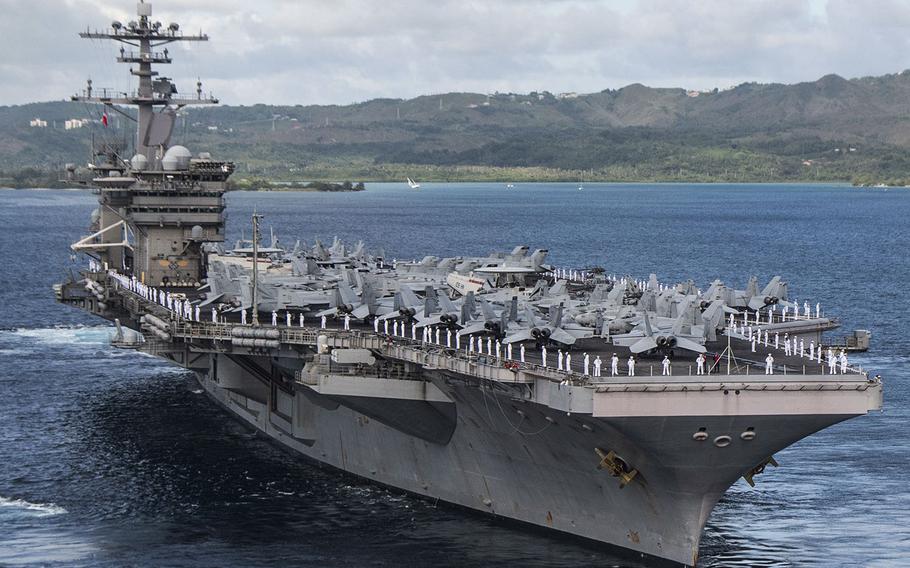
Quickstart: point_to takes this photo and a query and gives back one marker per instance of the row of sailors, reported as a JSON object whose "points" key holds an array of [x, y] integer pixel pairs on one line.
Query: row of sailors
{"points": [[496, 349], [573, 275], [180, 306], [564, 361], [833, 359], [794, 346], [183, 308], [581, 276], [770, 316]]}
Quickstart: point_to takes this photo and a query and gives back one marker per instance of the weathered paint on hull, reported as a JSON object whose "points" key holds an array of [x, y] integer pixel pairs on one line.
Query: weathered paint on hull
{"points": [[527, 462]]}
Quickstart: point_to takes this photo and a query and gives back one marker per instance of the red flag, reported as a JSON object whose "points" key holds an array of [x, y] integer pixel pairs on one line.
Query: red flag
{"points": [[104, 119]]}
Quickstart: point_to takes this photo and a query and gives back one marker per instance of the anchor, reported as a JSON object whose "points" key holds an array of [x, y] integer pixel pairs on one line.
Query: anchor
{"points": [[760, 468], [616, 466]]}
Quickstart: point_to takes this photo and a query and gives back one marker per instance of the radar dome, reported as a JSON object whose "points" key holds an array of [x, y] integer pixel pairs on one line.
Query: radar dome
{"points": [[139, 162], [176, 158]]}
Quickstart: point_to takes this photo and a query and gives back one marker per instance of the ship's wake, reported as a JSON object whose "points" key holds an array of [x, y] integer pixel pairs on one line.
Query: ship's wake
{"points": [[82, 335], [27, 508]]}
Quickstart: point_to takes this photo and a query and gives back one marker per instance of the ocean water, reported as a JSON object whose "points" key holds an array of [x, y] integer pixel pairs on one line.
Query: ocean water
{"points": [[111, 458]]}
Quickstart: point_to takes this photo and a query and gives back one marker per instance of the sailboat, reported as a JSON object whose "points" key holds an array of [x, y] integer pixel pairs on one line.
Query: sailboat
{"points": [[413, 184]]}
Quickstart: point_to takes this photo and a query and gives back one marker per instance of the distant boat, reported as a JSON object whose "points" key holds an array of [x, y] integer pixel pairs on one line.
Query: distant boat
{"points": [[413, 184], [580, 187], [510, 185]]}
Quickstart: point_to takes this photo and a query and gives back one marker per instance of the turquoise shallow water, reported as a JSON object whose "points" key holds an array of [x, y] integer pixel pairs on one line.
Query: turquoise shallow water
{"points": [[109, 458]]}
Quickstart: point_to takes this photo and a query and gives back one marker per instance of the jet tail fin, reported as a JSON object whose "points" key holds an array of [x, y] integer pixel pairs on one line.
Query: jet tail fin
{"points": [[556, 315], [430, 303], [408, 297], [471, 303], [347, 294], [488, 313], [649, 331]]}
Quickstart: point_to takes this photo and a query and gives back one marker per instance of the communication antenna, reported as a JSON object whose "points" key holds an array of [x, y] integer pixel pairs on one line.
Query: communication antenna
{"points": [[140, 38], [256, 235]]}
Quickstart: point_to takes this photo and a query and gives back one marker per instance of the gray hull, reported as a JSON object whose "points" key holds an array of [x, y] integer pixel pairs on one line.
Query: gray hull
{"points": [[492, 451]]}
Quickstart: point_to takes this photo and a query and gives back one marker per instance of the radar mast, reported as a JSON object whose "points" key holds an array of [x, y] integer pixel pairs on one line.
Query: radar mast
{"points": [[141, 39], [157, 209]]}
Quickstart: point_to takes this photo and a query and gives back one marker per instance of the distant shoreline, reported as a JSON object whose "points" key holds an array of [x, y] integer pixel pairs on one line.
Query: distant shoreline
{"points": [[324, 177], [262, 184], [497, 184]]}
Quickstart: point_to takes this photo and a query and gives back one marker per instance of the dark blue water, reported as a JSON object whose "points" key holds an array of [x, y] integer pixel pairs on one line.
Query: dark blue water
{"points": [[109, 458]]}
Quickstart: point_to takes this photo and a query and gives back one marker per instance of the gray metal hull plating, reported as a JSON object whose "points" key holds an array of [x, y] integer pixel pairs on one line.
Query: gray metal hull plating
{"points": [[527, 462]]}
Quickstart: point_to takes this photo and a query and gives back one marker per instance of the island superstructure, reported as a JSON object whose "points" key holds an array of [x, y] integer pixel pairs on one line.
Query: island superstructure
{"points": [[485, 382], [157, 207]]}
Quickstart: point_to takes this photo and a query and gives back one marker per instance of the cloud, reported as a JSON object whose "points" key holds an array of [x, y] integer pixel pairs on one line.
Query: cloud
{"points": [[313, 51]]}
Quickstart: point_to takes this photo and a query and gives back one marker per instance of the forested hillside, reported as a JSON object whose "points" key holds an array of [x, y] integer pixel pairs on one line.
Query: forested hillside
{"points": [[830, 129]]}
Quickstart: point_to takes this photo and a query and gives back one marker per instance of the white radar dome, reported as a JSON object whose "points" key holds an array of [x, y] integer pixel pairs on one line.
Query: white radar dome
{"points": [[139, 162], [176, 158]]}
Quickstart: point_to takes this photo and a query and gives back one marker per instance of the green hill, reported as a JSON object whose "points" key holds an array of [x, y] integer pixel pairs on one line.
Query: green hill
{"points": [[830, 129]]}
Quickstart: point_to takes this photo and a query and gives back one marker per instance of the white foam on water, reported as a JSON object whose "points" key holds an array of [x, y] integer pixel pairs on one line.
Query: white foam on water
{"points": [[36, 509], [94, 335], [11, 352]]}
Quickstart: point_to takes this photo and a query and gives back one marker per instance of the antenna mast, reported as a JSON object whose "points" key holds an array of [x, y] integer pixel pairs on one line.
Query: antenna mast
{"points": [[140, 39], [165, 203], [256, 236]]}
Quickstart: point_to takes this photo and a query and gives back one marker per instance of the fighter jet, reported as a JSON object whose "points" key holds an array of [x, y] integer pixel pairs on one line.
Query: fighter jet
{"points": [[548, 331], [773, 293], [646, 338]]}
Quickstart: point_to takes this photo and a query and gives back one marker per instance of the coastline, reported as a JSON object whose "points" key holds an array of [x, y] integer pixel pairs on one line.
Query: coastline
{"points": [[267, 179], [782, 183]]}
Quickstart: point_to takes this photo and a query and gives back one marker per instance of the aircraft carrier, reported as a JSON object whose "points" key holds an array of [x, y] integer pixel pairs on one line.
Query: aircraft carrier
{"points": [[487, 382]]}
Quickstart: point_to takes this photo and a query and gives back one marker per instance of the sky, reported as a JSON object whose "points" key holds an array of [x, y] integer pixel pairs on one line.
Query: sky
{"points": [[344, 51]]}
